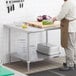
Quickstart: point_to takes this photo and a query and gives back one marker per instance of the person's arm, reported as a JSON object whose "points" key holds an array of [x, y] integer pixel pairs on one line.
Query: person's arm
{"points": [[64, 11]]}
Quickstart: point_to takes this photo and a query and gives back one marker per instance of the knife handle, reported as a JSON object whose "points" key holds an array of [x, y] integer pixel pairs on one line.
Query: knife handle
{"points": [[8, 8]]}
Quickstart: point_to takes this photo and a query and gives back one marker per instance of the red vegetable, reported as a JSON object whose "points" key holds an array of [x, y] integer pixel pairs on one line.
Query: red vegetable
{"points": [[43, 17], [39, 18], [46, 17]]}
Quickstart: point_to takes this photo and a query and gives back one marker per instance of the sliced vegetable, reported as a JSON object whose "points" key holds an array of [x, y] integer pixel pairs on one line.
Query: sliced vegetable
{"points": [[47, 22]]}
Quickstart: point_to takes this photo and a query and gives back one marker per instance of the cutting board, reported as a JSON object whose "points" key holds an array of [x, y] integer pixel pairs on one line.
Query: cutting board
{"points": [[40, 25]]}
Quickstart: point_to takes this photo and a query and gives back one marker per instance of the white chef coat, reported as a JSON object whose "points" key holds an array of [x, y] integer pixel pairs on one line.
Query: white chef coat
{"points": [[68, 11]]}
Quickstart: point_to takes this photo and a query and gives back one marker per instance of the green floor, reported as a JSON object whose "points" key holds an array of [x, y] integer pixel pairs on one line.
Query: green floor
{"points": [[5, 72]]}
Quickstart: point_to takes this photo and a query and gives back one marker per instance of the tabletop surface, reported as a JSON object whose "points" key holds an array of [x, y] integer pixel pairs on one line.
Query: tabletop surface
{"points": [[36, 27]]}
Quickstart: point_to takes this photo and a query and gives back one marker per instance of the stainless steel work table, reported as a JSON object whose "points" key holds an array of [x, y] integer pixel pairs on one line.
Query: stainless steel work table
{"points": [[30, 30]]}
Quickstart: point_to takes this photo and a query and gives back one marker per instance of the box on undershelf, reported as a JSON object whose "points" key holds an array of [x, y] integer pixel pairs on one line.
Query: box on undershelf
{"points": [[49, 49]]}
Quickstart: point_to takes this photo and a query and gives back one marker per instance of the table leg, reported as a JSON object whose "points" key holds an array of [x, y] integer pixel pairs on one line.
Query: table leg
{"points": [[28, 66], [46, 37], [28, 62], [9, 44]]}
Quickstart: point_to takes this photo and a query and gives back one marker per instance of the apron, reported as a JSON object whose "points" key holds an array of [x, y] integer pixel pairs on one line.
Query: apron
{"points": [[64, 32]]}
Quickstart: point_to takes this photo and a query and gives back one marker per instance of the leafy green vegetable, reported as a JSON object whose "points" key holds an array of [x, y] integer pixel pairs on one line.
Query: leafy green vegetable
{"points": [[47, 22]]}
